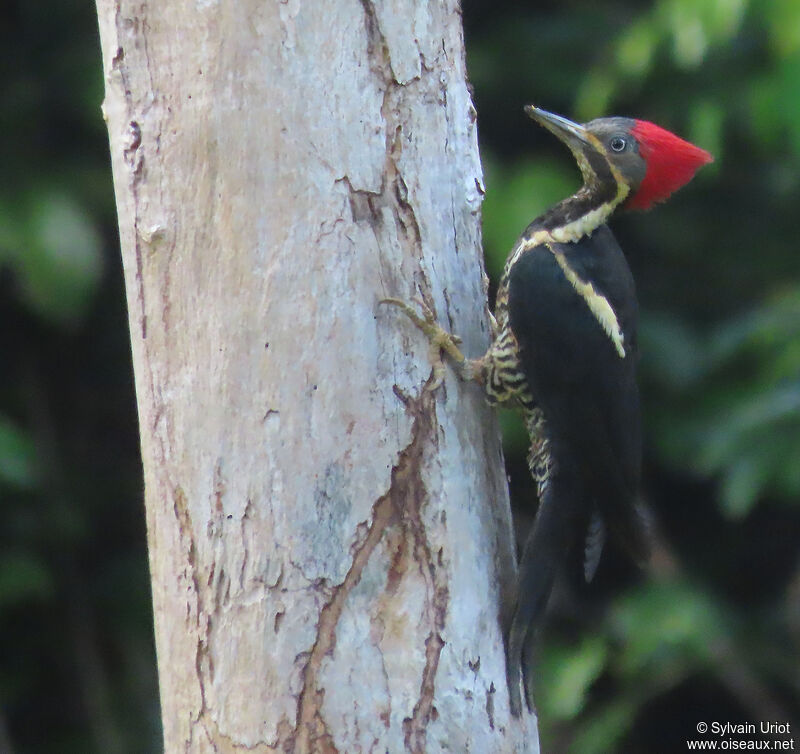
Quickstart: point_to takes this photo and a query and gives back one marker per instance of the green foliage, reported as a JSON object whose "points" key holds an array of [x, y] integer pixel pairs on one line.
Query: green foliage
{"points": [[604, 728], [53, 246], [78, 670], [716, 269], [515, 194], [724, 404], [685, 31], [717, 274], [568, 673], [664, 629], [18, 462], [23, 576], [730, 403], [654, 640]]}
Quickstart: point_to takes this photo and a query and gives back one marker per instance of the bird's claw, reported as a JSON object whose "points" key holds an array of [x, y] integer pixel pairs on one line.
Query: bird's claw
{"points": [[438, 338]]}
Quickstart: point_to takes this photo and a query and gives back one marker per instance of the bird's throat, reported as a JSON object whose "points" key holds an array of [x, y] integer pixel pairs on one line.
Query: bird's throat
{"points": [[582, 213]]}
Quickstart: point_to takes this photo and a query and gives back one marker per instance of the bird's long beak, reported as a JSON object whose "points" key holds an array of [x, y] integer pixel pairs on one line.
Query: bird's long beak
{"points": [[574, 135]]}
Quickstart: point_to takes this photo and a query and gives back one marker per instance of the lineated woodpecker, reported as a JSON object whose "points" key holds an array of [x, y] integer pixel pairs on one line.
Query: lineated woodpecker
{"points": [[564, 350]]}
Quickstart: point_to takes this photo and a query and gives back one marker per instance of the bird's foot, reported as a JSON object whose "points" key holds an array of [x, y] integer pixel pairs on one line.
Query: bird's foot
{"points": [[439, 339]]}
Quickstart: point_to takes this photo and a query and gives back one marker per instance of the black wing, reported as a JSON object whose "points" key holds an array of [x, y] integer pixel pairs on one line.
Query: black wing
{"points": [[585, 388]]}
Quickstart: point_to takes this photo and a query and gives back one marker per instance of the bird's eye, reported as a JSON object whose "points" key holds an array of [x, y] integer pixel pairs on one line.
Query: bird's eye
{"points": [[618, 144]]}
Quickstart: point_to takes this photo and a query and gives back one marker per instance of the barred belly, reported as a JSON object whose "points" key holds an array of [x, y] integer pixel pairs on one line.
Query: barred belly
{"points": [[505, 383]]}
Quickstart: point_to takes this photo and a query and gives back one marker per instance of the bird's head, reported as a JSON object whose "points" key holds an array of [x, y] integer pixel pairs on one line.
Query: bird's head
{"points": [[647, 163]]}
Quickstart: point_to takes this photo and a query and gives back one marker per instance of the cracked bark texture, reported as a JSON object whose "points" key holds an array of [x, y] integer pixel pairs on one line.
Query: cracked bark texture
{"points": [[329, 542]]}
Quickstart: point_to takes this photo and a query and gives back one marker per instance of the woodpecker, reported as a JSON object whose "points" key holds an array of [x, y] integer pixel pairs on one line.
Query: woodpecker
{"points": [[564, 351]]}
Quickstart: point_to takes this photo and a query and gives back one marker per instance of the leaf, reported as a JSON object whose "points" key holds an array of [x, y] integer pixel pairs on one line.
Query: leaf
{"points": [[636, 47], [567, 673], [18, 461], [61, 265], [516, 195], [706, 122], [729, 403], [673, 356], [23, 576], [11, 229], [789, 96], [783, 17], [595, 94], [515, 435], [664, 625], [741, 485], [739, 427], [603, 731]]}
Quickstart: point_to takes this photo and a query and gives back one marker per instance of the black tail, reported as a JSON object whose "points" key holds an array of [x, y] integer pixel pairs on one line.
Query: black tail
{"points": [[558, 521], [593, 549]]}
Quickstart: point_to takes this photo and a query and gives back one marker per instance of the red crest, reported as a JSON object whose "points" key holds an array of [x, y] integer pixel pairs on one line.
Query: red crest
{"points": [[671, 163]]}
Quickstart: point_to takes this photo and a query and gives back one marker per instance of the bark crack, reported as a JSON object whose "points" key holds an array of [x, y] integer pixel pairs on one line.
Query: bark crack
{"points": [[195, 594], [402, 504], [311, 732], [400, 509], [414, 496], [377, 48], [408, 492]]}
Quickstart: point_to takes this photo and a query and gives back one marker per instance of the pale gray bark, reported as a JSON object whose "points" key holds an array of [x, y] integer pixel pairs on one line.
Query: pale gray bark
{"points": [[327, 538]]}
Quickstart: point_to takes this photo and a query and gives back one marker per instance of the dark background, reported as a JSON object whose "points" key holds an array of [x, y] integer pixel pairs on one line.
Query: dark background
{"points": [[710, 632]]}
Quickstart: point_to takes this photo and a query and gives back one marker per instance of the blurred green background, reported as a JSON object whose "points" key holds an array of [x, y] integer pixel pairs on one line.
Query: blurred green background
{"points": [[630, 664]]}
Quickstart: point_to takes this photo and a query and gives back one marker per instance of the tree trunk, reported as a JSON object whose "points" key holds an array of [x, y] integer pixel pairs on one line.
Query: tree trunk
{"points": [[328, 540]]}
